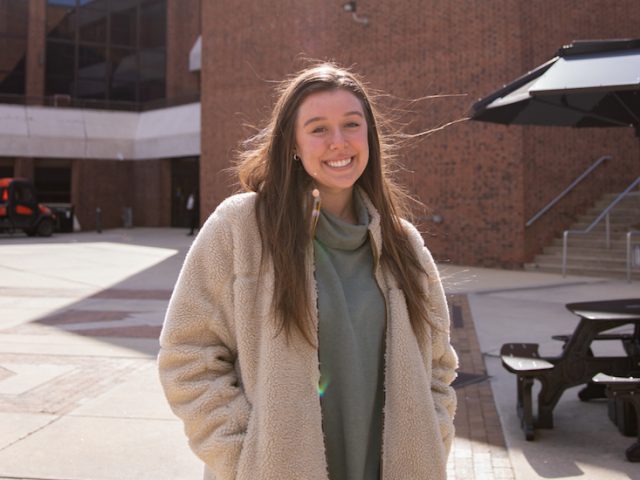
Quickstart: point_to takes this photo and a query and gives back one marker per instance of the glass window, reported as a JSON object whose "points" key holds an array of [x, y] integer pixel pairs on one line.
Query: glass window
{"points": [[97, 4], [123, 27], [63, 3], [106, 49], [53, 184], [92, 25], [92, 61], [91, 88], [152, 64], [59, 85], [60, 59], [12, 53], [153, 24], [152, 90], [13, 45], [61, 24], [14, 17]]}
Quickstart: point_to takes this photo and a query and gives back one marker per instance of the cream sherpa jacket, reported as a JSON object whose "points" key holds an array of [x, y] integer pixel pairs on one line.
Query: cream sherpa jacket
{"points": [[249, 399]]}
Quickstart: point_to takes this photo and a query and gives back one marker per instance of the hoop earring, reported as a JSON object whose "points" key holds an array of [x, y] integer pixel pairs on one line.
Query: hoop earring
{"points": [[296, 157]]}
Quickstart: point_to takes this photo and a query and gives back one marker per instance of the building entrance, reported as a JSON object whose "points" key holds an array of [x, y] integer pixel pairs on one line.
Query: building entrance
{"points": [[185, 180]]}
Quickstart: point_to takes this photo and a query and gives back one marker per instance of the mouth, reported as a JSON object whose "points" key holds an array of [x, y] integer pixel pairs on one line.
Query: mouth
{"points": [[339, 163]]}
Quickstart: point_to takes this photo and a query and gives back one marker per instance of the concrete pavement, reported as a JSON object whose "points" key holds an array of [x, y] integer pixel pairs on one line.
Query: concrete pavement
{"points": [[79, 397]]}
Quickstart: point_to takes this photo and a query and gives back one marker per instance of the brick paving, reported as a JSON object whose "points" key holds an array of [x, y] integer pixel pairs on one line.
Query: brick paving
{"points": [[479, 450]]}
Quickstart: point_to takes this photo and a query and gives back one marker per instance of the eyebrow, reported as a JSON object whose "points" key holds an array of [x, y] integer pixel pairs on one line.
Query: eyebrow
{"points": [[315, 119]]}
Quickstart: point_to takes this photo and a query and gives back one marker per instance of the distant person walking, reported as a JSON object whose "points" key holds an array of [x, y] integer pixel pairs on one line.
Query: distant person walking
{"points": [[193, 212], [307, 336]]}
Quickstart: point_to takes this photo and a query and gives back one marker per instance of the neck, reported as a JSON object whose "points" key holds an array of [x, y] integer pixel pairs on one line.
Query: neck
{"points": [[340, 204]]}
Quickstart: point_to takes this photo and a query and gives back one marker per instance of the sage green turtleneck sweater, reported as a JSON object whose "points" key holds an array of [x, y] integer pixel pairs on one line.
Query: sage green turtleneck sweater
{"points": [[351, 333]]}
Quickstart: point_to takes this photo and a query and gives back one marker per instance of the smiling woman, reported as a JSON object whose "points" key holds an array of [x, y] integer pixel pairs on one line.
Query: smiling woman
{"points": [[307, 306], [331, 142]]}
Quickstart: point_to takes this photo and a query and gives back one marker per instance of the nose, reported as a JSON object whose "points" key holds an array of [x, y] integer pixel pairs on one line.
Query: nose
{"points": [[337, 140]]}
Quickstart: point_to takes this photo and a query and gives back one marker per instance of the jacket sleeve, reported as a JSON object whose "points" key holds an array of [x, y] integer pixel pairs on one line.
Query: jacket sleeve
{"points": [[444, 361], [198, 353]]}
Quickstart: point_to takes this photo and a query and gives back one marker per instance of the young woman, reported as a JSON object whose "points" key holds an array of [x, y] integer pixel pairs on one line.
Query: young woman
{"points": [[308, 333]]}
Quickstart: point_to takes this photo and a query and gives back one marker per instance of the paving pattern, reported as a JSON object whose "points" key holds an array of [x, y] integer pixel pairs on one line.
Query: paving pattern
{"points": [[46, 383], [479, 450]]}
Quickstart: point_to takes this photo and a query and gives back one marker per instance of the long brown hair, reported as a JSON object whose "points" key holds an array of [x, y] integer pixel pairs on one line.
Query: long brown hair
{"points": [[283, 189]]}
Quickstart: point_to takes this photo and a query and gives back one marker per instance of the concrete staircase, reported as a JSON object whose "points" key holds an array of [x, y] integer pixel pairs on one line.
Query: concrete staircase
{"points": [[587, 254]]}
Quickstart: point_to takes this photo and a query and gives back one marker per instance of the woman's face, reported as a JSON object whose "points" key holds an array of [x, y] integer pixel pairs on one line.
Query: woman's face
{"points": [[331, 139]]}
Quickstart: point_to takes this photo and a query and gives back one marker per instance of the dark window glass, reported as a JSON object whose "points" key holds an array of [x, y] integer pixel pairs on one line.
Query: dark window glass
{"points": [[92, 25], [61, 22], [60, 59], [124, 64], [14, 17], [152, 64], [12, 53], [106, 49], [123, 27], [123, 91], [13, 45], [153, 24], [12, 82], [5, 171], [97, 4], [152, 90], [124, 76], [63, 3], [59, 85], [53, 184], [92, 62], [91, 88]]}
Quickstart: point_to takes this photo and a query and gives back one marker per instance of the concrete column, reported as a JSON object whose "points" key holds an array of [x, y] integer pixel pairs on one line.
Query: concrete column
{"points": [[24, 168]]}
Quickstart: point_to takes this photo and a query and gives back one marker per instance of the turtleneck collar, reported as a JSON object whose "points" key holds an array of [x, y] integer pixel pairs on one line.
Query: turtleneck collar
{"points": [[336, 233]]}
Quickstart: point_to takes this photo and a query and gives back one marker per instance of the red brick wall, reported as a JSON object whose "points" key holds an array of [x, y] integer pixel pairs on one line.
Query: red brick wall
{"points": [[183, 28], [113, 185], [485, 180], [36, 50]]}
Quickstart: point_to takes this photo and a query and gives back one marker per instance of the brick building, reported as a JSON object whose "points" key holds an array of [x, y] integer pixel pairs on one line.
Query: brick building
{"points": [[191, 96]]}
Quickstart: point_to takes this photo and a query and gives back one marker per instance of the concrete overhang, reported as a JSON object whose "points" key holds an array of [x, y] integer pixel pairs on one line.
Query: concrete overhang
{"points": [[54, 132], [195, 56]]}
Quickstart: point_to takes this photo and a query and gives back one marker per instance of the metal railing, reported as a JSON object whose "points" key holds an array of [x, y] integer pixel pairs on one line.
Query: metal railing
{"points": [[573, 184], [629, 253], [604, 214]]}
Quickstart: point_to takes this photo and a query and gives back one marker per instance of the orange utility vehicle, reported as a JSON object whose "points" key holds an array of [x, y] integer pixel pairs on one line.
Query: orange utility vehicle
{"points": [[20, 210]]}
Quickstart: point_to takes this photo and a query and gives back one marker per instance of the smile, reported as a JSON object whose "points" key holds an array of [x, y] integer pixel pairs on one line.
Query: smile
{"points": [[339, 163]]}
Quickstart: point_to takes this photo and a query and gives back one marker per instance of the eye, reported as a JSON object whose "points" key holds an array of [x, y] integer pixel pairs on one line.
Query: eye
{"points": [[319, 129], [352, 124]]}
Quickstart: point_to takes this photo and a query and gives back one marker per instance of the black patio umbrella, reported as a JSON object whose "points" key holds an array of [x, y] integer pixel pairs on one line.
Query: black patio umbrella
{"points": [[587, 84]]}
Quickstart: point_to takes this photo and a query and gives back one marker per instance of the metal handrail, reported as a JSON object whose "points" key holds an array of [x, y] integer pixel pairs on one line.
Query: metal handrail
{"points": [[573, 184], [603, 214], [629, 234]]}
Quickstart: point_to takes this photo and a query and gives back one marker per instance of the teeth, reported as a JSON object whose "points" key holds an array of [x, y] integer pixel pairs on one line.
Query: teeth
{"points": [[340, 163]]}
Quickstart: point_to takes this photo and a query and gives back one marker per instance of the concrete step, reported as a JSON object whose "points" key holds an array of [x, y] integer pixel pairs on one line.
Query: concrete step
{"points": [[601, 227], [587, 251], [596, 241], [578, 260], [582, 270]]}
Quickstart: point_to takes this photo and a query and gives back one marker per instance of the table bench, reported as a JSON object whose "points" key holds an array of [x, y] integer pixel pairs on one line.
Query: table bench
{"points": [[622, 390], [576, 364]]}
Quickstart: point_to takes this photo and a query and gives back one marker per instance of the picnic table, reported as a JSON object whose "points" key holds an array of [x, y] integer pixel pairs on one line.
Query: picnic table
{"points": [[576, 364]]}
